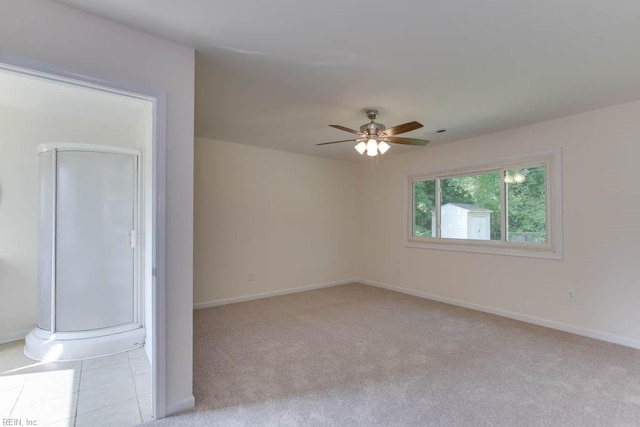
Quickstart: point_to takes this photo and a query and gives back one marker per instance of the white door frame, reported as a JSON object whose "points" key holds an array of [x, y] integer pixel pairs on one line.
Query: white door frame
{"points": [[158, 188]]}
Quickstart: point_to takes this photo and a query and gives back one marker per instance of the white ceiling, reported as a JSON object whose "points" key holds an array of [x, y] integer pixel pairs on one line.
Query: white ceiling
{"points": [[276, 73]]}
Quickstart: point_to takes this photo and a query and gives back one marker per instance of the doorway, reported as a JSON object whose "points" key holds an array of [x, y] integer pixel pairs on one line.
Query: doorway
{"points": [[49, 105]]}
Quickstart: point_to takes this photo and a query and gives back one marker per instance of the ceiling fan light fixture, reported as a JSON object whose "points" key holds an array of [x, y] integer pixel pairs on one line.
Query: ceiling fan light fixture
{"points": [[361, 147], [383, 147], [372, 148]]}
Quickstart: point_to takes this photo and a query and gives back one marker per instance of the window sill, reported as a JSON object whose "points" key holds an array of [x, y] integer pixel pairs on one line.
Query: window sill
{"points": [[490, 248]]}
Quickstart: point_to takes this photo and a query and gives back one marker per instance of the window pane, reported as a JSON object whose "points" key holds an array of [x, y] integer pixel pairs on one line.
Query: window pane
{"points": [[424, 196], [526, 205], [470, 207]]}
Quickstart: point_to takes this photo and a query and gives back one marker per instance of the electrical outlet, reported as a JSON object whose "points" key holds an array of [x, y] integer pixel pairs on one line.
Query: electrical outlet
{"points": [[571, 295], [251, 277]]}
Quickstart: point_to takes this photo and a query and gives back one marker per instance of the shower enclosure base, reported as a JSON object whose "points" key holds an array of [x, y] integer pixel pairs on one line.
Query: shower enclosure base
{"points": [[67, 346]]}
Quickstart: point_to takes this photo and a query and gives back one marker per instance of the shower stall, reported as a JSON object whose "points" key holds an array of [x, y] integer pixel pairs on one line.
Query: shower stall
{"points": [[89, 255]]}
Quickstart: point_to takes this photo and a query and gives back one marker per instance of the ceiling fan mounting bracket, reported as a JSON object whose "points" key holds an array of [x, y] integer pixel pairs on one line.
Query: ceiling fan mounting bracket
{"points": [[372, 114]]}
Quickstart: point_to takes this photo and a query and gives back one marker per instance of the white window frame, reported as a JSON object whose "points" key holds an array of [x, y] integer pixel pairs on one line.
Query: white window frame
{"points": [[552, 249]]}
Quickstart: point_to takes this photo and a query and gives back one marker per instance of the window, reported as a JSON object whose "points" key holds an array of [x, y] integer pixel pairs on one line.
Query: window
{"points": [[511, 207]]}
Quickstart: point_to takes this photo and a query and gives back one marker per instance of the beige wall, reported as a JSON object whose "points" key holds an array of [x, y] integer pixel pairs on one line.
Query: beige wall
{"points": [[601, 157], [287, 218], [48, 32]]}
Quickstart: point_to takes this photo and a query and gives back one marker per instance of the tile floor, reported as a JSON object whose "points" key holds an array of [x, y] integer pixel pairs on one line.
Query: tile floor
{"points": [[107, 391]]}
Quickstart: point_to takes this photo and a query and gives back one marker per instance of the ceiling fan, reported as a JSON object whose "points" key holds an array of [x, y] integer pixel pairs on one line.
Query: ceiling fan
{"points": [[373, 138]]}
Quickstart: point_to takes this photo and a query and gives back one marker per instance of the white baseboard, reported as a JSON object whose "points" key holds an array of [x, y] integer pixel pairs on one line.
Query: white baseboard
{"points": [[181, 405], [14, 336], [599, 335], [224, 301]]}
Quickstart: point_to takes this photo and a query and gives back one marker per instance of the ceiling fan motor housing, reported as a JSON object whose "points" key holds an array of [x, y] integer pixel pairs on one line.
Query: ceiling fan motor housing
{"points": [[372, 128]]}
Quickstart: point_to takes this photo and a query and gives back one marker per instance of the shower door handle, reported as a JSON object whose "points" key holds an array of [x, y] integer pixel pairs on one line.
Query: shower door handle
{"points": [[133, 239]]}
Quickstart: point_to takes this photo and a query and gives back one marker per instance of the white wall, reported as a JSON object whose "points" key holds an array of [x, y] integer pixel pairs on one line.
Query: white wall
{"points": [[601, 158], [48, 32], [289, 219], [20, 132]]}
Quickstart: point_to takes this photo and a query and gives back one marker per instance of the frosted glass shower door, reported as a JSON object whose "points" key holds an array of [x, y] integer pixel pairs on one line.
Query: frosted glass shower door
{"points": [[95, 215]]}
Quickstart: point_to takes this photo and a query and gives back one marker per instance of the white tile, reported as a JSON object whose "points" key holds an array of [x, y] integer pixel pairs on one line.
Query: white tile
{"points": [[10, 362], [45, 386], [12, 356], [137, 354], [108, 375], [50, 411], [140, 366], [65, 423], [107, 361], [102, 391], [48, 370], [143, 383], [105, 395], [144, 401], [63, 375], [7, 382], [123, 414], [8, 399]]}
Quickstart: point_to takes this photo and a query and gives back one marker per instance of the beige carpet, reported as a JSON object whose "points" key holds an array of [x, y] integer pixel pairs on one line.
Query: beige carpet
{"points": [[358, 355]]}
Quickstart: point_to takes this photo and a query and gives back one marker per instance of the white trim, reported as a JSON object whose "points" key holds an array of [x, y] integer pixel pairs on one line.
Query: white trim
{"points": [[50, 72], [14, 336], [181, 405], [565, 327], [158, 266], [78, 146], [225, 301], [553, 249]]}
